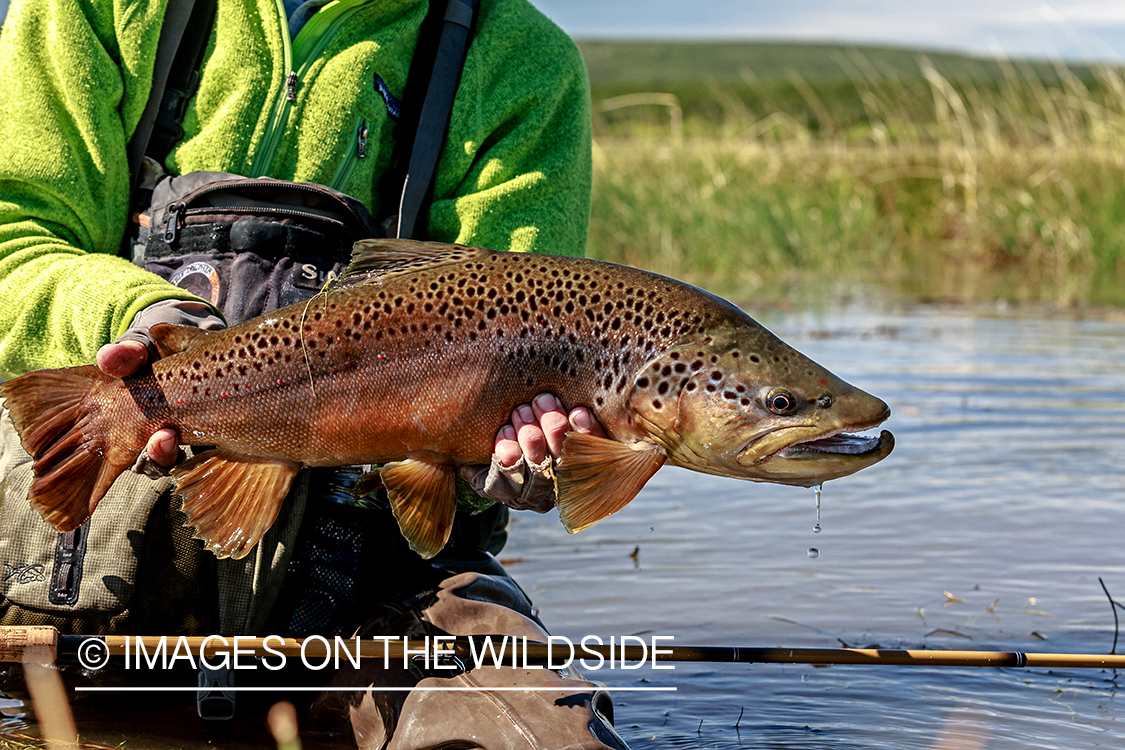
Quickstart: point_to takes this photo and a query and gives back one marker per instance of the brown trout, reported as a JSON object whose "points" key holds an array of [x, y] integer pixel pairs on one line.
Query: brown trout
{"points": [[414, 359]]}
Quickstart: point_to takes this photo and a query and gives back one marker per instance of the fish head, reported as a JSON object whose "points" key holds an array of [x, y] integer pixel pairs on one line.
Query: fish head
{"points": [[742, 403]]}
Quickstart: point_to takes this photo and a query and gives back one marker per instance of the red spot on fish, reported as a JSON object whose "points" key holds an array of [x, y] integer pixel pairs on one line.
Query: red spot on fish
{"points": [[223, 394], [822, 381], [382, 356], [278, 381]]}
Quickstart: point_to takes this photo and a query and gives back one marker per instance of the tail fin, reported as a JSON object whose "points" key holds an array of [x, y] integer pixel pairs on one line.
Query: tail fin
{"points": [[71, 473]]}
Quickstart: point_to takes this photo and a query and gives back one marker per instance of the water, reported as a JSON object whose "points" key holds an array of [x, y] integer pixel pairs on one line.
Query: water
{"points": [[1006, 483], [1005, 490], [816, 527]]}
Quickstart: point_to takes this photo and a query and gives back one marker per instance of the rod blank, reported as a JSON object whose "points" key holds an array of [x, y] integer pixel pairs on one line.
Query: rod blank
{"points": [[43, 644]]}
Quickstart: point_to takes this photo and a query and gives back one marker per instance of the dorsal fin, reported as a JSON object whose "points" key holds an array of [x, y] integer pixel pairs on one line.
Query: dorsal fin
{"points": [[173, 339], [379, 258]]}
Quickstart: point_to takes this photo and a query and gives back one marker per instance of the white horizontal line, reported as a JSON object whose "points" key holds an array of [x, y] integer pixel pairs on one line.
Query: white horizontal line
{"points": [[305, 689]]}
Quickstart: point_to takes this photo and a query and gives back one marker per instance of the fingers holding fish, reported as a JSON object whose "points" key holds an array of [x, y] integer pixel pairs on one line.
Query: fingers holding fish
{"points": [[553, 421], [162, 449], [529, 434], [520, 486], [507, 450], [122, 359], [521, 475], [582, 420], [539, 429]]}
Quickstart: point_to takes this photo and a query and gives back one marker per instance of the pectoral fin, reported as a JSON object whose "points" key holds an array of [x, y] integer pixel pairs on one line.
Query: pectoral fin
{"points": [[232, 500], [423, 497], [370, 482], [598, 477]]}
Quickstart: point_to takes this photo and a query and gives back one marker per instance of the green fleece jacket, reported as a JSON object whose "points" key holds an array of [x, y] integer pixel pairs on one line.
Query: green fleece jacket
{"points": [[514, 173]]}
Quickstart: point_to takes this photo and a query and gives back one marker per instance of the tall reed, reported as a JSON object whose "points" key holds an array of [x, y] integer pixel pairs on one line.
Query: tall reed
{"points": [[943, 188]]}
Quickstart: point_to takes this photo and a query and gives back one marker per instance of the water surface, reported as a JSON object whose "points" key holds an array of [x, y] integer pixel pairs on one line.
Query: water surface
{"points": [[1005, 490]]}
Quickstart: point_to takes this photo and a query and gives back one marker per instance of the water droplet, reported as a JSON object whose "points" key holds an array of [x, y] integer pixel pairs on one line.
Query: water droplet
{"points": [[816, 489], [816, 529], [814, 552]]}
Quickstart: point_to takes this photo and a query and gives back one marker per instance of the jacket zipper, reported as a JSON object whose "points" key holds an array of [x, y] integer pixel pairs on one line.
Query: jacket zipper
{"points": [[347, 166], [298, 57]]}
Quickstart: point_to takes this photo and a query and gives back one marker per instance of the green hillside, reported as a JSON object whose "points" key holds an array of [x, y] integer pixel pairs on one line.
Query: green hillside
{"points": [[654, 64], [819, 86]]}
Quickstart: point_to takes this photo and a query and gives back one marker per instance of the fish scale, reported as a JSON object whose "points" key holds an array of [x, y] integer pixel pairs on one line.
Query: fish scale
{"points": [[414, 359], [523, 310]]}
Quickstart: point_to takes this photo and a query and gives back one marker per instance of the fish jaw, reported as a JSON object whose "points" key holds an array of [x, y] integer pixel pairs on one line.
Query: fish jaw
{"points": [[805, 462]]}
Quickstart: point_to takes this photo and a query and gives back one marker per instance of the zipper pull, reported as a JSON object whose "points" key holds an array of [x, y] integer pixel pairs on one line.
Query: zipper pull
{"points": [[173, 218], [291, 86], [361, 141]]}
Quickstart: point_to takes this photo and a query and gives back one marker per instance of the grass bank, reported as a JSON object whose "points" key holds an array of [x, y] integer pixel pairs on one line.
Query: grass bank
{"points": [[950, 179]]}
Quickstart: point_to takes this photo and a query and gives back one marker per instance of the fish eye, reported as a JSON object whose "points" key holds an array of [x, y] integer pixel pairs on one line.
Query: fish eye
{"points": [[781, 401]]}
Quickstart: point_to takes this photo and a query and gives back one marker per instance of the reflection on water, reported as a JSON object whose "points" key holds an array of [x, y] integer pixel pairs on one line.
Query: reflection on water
{"points": [[986, 529]]}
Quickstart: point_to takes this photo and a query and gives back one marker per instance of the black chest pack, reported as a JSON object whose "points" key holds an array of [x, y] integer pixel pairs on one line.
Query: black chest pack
{"points": [[249, 245]]}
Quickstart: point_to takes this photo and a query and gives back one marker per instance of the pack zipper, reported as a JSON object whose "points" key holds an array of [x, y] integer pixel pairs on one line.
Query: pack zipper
{"points": [[177, 213], [259, 210], [172, 222]]}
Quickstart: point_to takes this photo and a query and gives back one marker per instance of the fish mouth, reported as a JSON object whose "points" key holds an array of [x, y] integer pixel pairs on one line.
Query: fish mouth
{"points": [[840, 443], [807, 462]]}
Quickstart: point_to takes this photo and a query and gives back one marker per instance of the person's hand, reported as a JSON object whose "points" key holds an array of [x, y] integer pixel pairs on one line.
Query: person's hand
{"points": [[521, 474], [134, 349], [121, 359], [538, 429]]}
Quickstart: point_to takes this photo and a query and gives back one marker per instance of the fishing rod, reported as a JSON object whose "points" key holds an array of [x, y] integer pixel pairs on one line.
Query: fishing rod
{"points": [[44, 644]]}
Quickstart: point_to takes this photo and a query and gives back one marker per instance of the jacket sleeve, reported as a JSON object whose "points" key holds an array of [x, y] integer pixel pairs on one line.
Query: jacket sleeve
{"points": [[515, 171], [76, 75]]}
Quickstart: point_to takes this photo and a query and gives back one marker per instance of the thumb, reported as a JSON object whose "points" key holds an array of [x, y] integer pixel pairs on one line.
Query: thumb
{"points": [[122, 359]]}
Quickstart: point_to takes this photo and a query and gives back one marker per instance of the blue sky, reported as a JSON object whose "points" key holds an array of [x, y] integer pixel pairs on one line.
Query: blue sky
{"points": [[1077, 29], [1073, 28]]}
